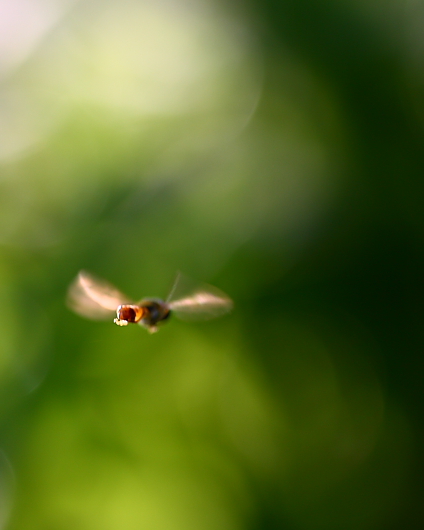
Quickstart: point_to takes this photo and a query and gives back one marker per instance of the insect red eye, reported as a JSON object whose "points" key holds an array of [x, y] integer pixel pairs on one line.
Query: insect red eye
{"points": [[126, 313]]}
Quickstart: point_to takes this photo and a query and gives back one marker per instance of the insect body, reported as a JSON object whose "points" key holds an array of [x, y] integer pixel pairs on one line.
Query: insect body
{"points": [[97, 299], [148, 313]]}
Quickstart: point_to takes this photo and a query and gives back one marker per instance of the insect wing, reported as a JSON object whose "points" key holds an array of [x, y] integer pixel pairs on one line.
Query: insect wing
{"points": [[201, 301], [94, 298]]}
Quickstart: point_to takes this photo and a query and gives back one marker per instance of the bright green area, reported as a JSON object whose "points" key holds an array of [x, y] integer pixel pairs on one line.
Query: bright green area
{"points": [[273, 149]]}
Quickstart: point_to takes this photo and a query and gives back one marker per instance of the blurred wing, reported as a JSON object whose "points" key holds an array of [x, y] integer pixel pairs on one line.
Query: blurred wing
{"points": [[94, 298], [202, 302]]}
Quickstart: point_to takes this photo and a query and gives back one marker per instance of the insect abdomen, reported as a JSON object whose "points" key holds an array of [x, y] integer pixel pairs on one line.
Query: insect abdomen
{"points": [[156, 311]]}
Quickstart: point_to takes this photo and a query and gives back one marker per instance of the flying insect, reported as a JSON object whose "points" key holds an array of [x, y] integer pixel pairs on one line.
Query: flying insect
{"points": [[97, 299]]}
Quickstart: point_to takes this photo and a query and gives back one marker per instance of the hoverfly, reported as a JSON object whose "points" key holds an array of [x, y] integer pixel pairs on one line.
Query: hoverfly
{"points": [[97, 299]]}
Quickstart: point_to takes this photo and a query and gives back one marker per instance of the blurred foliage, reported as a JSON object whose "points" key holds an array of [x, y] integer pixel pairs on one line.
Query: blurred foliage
{"points": [[274, 149]]}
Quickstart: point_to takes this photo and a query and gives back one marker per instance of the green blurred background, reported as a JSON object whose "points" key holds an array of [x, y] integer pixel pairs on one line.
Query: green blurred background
{"points": [[272, 148]]}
